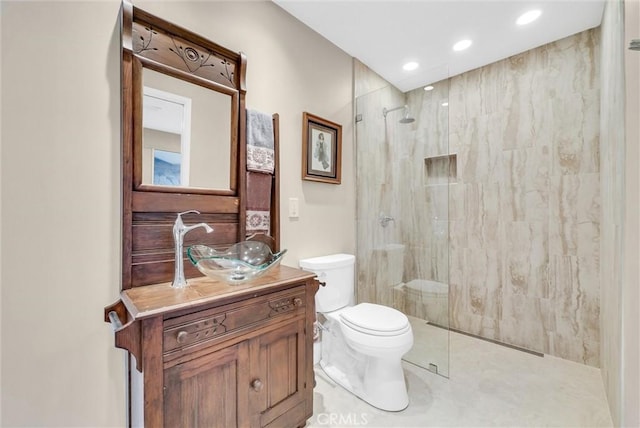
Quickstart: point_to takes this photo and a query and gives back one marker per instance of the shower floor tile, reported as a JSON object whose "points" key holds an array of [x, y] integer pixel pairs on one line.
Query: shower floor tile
{"points": [[430, 346], [489, 385]]}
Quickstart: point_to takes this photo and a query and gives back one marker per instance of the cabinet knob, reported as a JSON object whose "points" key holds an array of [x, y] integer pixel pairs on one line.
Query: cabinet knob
{"points": [[182, 336], [297, 301], [256, 385]]}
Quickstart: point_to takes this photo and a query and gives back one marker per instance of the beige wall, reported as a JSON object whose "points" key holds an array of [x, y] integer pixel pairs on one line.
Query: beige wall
{"points": [[630, 412], [620, 153], [60, 210], [0, 233], [612, 164], [60, 184]]}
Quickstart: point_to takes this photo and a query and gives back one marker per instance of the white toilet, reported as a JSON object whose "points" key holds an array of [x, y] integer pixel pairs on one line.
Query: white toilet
{"points": [[362, 345]]}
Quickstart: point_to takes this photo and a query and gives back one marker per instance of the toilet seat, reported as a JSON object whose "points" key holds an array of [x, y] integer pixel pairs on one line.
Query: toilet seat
{"points": [[375, 320]]}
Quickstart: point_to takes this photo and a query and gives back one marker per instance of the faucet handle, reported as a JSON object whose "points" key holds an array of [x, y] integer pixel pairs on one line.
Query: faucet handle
{"points": [[178, 222], [384, 219], [179, 228], [187, 212]]}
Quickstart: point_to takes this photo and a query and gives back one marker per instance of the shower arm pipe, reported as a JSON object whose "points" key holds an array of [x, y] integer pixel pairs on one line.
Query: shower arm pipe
{"points": [[386, 110]]}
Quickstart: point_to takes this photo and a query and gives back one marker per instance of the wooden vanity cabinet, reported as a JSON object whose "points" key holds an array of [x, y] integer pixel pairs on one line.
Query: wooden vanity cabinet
{"points": [[216, 355], [205, 391]]}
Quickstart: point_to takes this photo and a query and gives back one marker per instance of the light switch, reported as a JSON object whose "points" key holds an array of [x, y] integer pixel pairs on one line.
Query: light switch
{"points": [[294, 208]]}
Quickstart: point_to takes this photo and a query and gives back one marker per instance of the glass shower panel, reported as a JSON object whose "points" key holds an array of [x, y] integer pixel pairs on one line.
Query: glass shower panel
{"points": [[404, 171]]}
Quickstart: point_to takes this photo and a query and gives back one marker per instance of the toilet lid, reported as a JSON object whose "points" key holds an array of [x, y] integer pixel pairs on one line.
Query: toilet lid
{"points": [[375, 319]]}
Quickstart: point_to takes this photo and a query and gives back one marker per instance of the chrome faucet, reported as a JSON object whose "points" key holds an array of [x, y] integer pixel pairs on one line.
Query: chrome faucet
{"points": [[179, 230], [384, 219]]}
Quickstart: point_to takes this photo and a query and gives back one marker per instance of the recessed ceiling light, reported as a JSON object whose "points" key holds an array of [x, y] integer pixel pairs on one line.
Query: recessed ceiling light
{"points": [[462, 45], [445, 104], [428, 88], [410, 66], [529, 17]]}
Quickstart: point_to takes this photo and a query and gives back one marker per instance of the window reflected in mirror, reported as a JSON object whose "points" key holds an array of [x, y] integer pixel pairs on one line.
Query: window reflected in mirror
{"points": [[186, 134]]}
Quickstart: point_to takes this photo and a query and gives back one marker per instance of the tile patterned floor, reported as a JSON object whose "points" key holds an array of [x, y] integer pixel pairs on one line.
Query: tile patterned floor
{"points": [[489, 386]]}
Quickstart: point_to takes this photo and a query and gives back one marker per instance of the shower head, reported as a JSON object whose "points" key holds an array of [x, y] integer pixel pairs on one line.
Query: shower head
{"points": [[405, 117]]}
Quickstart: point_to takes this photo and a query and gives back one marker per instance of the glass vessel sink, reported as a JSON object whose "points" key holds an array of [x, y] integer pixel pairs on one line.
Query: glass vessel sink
{"points": [[237, 264]]}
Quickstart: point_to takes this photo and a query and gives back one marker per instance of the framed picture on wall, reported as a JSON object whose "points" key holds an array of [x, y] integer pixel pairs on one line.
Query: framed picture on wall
{"points": [[321, 149]]}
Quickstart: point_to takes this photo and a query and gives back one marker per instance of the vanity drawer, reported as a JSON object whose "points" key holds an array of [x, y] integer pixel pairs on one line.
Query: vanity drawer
{"points": [[226, 321]]}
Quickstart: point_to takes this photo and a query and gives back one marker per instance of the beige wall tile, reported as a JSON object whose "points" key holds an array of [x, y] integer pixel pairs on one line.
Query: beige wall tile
{"points": [[524, 214]]}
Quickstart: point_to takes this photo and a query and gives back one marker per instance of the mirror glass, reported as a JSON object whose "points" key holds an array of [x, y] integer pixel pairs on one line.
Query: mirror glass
{"points": [[186, 134]]}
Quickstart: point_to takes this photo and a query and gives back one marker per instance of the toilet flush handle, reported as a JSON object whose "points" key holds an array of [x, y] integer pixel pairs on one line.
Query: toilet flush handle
{"points": [[322, 275]]}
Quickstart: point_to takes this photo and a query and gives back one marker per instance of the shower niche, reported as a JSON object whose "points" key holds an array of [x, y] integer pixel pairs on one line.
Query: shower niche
{"points": [[440, 170]]}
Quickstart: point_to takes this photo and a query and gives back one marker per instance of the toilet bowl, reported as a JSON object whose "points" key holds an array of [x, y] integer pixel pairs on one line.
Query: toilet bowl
{"points": [[375, 347], [362, 345]]}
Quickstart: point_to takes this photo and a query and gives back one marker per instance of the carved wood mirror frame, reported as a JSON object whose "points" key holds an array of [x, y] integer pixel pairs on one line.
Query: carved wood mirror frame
{"points": [[148, 212]]}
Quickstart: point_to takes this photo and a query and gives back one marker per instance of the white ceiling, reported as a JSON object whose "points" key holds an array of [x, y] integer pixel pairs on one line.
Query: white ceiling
{"points": [[384, 34]]}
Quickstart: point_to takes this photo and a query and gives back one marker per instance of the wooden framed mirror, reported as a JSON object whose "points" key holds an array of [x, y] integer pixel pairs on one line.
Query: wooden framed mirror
{"points": [[186, 138], [183, 142]]}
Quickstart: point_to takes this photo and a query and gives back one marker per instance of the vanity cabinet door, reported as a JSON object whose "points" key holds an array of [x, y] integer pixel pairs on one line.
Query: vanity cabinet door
{"points": [[208, 391], [278, 384]]}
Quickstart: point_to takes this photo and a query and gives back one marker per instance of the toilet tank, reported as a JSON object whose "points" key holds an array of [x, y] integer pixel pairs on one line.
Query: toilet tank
{"points": [[337, 271]]}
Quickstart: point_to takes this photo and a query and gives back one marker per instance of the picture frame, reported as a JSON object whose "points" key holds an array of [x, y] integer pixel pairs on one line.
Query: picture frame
{"points": [[321, 149]]}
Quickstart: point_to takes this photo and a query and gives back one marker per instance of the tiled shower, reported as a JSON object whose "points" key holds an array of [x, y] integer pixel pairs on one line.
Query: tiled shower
{"points": [[494, 192]]}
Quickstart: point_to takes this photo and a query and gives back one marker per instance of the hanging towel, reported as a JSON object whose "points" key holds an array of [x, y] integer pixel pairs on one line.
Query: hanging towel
{"points": [[258, 202], [260, 154]]}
